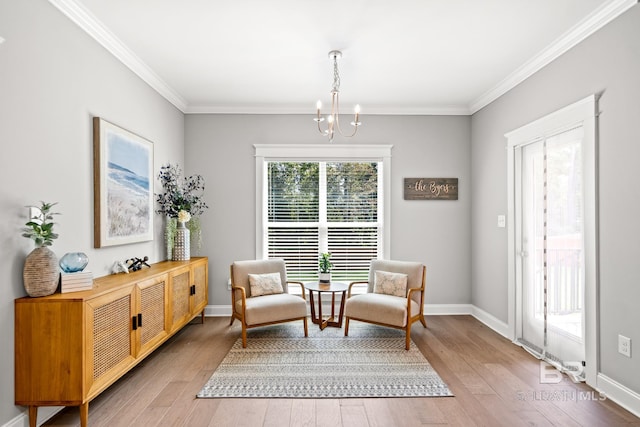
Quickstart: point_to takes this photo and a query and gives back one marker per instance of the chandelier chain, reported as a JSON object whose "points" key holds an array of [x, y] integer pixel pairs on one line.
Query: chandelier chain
{"points": [[336, 75]]}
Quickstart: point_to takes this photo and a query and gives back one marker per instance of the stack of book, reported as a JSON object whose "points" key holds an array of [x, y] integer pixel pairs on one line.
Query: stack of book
{"points": [[74, 282]]}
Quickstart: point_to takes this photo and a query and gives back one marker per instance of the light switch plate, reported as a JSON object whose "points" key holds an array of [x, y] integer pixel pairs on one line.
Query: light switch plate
{"points": [[33, 212], [502, 221]]}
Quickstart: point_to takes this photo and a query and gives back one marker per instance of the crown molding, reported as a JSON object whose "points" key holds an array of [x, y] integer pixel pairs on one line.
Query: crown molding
{"points": [[92, 26], [82, 17], [450, 110], [592, 23]]}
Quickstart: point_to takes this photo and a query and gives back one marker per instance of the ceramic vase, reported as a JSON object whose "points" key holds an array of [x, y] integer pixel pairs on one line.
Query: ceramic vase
{"points": [[324, 277], [41, 273], [181, 243]]}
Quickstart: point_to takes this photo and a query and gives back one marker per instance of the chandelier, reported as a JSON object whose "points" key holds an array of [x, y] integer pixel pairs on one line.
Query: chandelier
{"points": [[333, 119]]}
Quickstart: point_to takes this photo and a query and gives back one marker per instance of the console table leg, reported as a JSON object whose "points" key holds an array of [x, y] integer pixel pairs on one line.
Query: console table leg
{"points": [[84, 414], [33, 416]]}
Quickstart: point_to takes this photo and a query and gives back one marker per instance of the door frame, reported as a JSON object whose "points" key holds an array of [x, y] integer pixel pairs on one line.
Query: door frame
{"points": [[583, 112]]}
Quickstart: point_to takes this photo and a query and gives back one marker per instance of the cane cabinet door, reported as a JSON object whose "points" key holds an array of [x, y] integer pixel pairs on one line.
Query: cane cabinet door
{"points": [[180, 290], [200, 285], [151, 321], [110, 340]]}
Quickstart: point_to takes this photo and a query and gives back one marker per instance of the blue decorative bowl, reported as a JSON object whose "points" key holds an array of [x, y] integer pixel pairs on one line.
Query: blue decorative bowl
{"points": [[73, 262]]}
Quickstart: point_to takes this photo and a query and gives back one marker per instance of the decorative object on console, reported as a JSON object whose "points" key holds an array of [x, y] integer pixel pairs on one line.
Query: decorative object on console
{"points": [[41, 273], [325, 265], [123, 187], [119, 267], [74, 277], [76, 281], [73, 262], [136, 264], [333, 119], [182, 240], [180, 194]]}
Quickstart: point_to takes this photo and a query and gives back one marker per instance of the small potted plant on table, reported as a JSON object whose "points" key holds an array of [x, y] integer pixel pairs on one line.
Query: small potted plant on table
{"points": [[325, 265]]}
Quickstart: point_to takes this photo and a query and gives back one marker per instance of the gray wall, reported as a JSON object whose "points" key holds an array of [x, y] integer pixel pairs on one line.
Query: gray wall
{"points": [[220, 147], [53, 79], [607, 62]]}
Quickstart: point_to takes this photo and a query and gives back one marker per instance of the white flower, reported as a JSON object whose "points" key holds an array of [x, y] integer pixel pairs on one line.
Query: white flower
{"points": [[184, 216]]}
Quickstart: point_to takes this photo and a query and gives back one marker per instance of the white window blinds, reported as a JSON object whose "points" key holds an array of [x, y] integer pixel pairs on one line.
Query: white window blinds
{"points": [[315, 207]]}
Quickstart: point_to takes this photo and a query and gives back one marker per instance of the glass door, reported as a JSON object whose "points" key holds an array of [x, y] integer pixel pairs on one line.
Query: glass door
{"points": [[550, 211]]}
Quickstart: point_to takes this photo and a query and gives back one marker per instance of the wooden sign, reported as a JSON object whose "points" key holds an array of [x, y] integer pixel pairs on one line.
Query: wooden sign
{"points": [[431, 188]]}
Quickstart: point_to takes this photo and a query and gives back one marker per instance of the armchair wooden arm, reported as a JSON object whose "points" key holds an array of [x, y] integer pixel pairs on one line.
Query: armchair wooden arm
{"points": [[409, 294], [301, 288], [243, 297], [355, 283]]}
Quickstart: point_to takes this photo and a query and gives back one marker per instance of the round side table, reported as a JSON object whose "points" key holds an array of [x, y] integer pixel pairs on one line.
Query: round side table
{"points": [[333, 288]]}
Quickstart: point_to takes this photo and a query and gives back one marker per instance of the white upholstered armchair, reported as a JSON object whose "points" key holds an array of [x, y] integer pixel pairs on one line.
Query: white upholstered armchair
{"points": [[394, 298], [260, 295]]}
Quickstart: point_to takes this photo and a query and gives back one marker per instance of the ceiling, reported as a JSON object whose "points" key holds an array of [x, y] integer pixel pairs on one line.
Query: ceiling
{"points": [[400, 57]]}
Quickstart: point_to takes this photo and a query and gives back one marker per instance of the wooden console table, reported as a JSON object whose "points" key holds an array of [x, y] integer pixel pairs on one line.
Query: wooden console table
{"points": [[70, 347]]}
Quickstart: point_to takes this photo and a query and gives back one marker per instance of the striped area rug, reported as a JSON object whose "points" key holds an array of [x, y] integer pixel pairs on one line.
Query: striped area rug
{"points": [[279, 362]]}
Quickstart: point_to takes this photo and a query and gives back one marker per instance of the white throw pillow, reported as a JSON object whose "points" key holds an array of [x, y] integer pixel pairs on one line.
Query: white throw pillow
{"points": [[265, 284], [390, 283]]}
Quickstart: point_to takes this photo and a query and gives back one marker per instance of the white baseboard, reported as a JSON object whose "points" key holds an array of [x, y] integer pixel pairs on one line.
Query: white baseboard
{"points": [[623, 396], [217, 311], [44, 413], [492, 322], [469, 309]]}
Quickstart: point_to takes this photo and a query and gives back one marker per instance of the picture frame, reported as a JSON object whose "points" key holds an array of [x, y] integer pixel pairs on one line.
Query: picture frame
{"points": [[122, 186]]}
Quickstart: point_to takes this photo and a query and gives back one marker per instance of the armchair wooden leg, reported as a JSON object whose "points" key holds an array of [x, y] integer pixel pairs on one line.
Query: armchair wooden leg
{"points": [[423, 321], [306, 329], [244, 336], [232, 319], [407, 345], [346, 327]]}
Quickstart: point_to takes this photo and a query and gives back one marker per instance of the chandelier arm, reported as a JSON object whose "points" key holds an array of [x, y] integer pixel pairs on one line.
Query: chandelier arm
{"points": [[337, 119]]}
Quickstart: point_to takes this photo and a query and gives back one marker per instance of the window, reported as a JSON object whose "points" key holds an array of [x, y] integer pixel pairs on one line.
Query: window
{"points": [[322, 202]]}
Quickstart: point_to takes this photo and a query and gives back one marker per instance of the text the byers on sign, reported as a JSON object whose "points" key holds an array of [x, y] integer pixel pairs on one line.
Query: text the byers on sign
{"points": [[431, 188]]}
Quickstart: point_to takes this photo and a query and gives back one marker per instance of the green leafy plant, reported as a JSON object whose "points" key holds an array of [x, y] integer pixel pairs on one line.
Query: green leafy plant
{"points": [[40, 226], [324, 262]]}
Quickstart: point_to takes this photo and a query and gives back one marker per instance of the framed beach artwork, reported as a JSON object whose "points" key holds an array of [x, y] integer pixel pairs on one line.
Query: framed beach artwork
{"points": [[123, 186]]}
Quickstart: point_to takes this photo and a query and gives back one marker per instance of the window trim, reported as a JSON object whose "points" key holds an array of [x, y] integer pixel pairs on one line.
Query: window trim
{"points": [[320, 152]]}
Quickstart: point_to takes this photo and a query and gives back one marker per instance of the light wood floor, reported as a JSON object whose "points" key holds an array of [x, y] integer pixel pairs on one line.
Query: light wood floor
{"points": [[495, 384]]}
